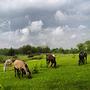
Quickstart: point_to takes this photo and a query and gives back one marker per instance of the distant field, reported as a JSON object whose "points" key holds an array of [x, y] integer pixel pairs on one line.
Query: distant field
{"points": [[67, 76]]}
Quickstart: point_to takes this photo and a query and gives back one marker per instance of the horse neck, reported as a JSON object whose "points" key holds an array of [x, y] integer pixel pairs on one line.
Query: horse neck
{"points": [[26, 71]]}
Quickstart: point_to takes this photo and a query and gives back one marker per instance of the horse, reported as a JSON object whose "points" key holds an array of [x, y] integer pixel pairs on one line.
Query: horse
{"points": [[50, 58], [85, 57], [7, 63], [21, 67], [82, 57]]}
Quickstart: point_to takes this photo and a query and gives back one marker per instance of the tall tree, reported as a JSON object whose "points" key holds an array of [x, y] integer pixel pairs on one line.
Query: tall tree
{"points": [[81, 46]]}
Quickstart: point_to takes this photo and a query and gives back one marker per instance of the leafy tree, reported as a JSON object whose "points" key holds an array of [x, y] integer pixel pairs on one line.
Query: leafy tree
{"points": [[25, 49], [81, 46], [87, 46], [11, 52]]}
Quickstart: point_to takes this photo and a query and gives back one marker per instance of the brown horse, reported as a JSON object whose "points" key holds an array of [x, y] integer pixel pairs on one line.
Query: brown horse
{"points": [[50, 58], [21, 67]]}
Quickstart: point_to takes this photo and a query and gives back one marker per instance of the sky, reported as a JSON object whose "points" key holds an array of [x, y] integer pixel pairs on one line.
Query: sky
{"points": [[53, 23]]}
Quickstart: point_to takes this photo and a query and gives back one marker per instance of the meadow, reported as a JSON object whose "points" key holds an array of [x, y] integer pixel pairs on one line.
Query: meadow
{"points": [[66, 76]]}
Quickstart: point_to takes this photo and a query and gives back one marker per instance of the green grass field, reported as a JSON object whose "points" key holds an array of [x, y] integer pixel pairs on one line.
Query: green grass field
{"points": [[67, 76]]}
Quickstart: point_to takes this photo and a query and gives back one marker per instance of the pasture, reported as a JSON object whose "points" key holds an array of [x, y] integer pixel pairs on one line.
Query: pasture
{"points": [[67, 76]]}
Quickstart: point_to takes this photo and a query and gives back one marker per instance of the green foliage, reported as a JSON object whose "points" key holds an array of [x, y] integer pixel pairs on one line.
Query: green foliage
{"points": [[11, 52], [3, 58], [84, 46], [87, 45], [81, 46], [35, 69], [4, 51]]}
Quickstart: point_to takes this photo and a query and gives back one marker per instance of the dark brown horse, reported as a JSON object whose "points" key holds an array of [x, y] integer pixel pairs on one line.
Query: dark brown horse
{"points": [[85, 57], [82, 57], [50, 58]]}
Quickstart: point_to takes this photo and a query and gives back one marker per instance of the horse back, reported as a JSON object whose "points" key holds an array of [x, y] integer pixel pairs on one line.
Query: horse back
{"points": [[19, 64]]}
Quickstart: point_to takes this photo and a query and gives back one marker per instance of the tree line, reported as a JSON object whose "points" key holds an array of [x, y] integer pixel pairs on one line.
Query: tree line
{"points": [[29, 50]]}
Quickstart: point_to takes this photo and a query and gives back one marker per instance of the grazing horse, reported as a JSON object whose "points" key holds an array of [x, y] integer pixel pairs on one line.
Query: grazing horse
{"points": [[82, 57], [8, 62], [50, 58], [85, 57], [21, 67]]}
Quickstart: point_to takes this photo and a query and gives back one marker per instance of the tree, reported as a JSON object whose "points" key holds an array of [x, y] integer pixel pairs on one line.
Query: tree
{"points": [[11, 52], [61, 50], [87, 46], [81, 46], [25, 49], [73, 50]]}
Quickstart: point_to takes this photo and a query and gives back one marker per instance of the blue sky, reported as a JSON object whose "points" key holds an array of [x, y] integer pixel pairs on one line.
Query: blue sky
{"points": [[55, 23]]}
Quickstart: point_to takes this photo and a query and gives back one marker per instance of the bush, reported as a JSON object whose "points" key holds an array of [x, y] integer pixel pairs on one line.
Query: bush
{"points": [[3, 58]]}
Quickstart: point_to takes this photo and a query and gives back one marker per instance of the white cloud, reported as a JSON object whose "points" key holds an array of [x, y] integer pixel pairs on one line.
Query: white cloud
{"points": [[82, 27], [60, 16], [58, 31], [25, 34], [25, 31], [53, 37], [83, 34], [73, 36], [69, 17], [36, 26]]}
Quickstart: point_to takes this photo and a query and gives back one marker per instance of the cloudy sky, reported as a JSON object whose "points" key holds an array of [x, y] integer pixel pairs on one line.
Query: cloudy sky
{"points": [[53, 23]]}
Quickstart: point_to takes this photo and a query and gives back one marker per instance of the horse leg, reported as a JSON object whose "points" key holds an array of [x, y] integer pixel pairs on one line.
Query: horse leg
{"points": [[4, 68], [18, 73], [79, 62], [51, 63], [15, 71], [83, 61], [22, 71], [86, 60], [48, 63], [55, 64]]}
